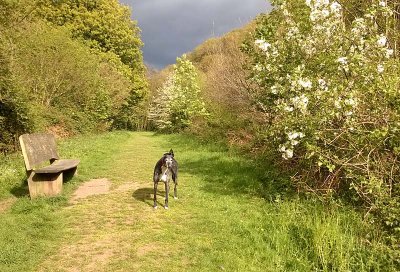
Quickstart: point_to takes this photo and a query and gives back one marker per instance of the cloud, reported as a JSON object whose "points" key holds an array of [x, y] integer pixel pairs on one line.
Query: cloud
{"points": [[173, 27]]}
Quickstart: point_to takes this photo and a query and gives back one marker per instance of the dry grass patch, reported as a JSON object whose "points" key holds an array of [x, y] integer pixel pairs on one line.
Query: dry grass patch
{"points": [[7, 203], [92, 187]]}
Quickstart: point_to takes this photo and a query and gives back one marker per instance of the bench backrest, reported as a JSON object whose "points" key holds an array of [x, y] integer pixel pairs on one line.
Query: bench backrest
{"points": [[38, 148]]}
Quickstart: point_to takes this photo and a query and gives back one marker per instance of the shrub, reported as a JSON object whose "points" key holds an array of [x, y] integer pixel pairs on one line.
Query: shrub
{"points": [[178, 101], [330, 96], [14, 118]]}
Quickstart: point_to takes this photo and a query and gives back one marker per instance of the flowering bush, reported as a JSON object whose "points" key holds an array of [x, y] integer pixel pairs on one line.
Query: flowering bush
{"points": [[330, 94], [178, 101]]}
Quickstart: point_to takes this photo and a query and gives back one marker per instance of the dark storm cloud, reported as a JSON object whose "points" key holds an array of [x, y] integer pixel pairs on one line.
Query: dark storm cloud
{"points": [[173, 27]]}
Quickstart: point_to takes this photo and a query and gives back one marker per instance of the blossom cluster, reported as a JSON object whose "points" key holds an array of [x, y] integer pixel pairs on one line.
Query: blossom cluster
{"points": [[293, 139], [315, 76], [329, 92]]}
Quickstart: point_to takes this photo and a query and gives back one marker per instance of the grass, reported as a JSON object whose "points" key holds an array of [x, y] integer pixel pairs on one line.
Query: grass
{"points": [[224, 218]]}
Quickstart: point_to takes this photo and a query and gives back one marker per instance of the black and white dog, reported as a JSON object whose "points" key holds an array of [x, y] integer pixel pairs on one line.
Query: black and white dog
{"points": [[165, 168]]}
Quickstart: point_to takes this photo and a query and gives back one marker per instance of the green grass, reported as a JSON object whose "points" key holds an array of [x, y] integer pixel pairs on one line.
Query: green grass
{"points": [[230, 216]]}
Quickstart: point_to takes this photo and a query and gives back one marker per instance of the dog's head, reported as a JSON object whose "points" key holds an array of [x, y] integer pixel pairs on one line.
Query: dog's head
{"points": [[168, 159]]}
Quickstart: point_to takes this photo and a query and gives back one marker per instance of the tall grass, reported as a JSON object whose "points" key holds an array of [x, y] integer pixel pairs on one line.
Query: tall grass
{"points": [[244, 227]]}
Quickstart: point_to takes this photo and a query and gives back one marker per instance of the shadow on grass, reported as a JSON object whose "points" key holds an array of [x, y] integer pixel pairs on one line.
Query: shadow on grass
{"points": [[225, 173], [222, 176], [20, 189], [146, 195]]}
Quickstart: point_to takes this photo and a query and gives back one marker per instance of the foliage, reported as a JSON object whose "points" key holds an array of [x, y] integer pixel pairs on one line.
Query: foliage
{"points": [[330, 96], [13, 111], [232, 115], [131, 115], [178, 101], [80, 62], [105, 25], [62, 76]]}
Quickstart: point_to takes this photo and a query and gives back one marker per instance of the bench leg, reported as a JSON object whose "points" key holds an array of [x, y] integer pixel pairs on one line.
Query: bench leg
{"points": [[44, 184]]}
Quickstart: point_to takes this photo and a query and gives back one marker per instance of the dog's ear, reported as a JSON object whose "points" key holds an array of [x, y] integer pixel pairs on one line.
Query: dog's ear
{"points": [[171, 152]]}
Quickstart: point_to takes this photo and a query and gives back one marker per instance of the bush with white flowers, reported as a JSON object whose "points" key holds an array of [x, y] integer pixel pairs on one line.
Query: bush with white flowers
{"points": [[330, 92], [178, 101]]}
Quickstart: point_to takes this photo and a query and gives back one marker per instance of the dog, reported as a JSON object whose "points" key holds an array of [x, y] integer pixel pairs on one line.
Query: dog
{"points": [[165, 169]]}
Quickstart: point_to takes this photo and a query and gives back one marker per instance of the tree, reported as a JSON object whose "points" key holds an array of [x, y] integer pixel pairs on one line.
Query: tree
{"points": [[104, 24], [178, 101], [106, 27]]}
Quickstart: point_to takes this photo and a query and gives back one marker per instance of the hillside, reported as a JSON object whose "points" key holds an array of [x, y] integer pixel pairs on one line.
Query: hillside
{"points": [[224, 87]]}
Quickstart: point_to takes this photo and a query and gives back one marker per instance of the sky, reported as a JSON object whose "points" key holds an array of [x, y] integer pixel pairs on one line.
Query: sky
{"points": [[171, 28]]}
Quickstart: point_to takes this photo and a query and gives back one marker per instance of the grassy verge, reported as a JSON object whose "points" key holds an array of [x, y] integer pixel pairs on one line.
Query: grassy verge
{"points": [[224, 218], [32, 230]]}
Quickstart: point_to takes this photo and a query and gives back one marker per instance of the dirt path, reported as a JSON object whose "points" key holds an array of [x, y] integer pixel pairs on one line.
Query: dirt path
{"points": [[101, 227], [91, 187], [110, 219]]}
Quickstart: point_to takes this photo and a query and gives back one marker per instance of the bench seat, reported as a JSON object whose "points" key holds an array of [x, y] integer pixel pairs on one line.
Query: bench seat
{"points": [[44, 168], [57, 166]]}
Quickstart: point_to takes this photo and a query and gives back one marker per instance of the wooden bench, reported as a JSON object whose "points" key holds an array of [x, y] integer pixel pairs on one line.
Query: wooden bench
{"points": [[43, 165]]}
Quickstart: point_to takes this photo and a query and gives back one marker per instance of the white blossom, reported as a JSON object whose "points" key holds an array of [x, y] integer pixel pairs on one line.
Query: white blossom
{"points": [[259, 41], [344, 63], [325, 13], [305, 83], [322, 84], [349, 113], [287, 153], [292, 32], [294, 135], [342, 60], [289, 109], [382, 40], [389, 53], [262, 44], [338, 104], [258, 68], [300, 102], [336, 7], [350, 102], [380, 68]]}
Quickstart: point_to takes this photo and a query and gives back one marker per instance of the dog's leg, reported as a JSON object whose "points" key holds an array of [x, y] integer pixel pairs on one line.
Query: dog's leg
{"points": [[175, 191], [175, 179], [155, 194], [166, 193]]}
